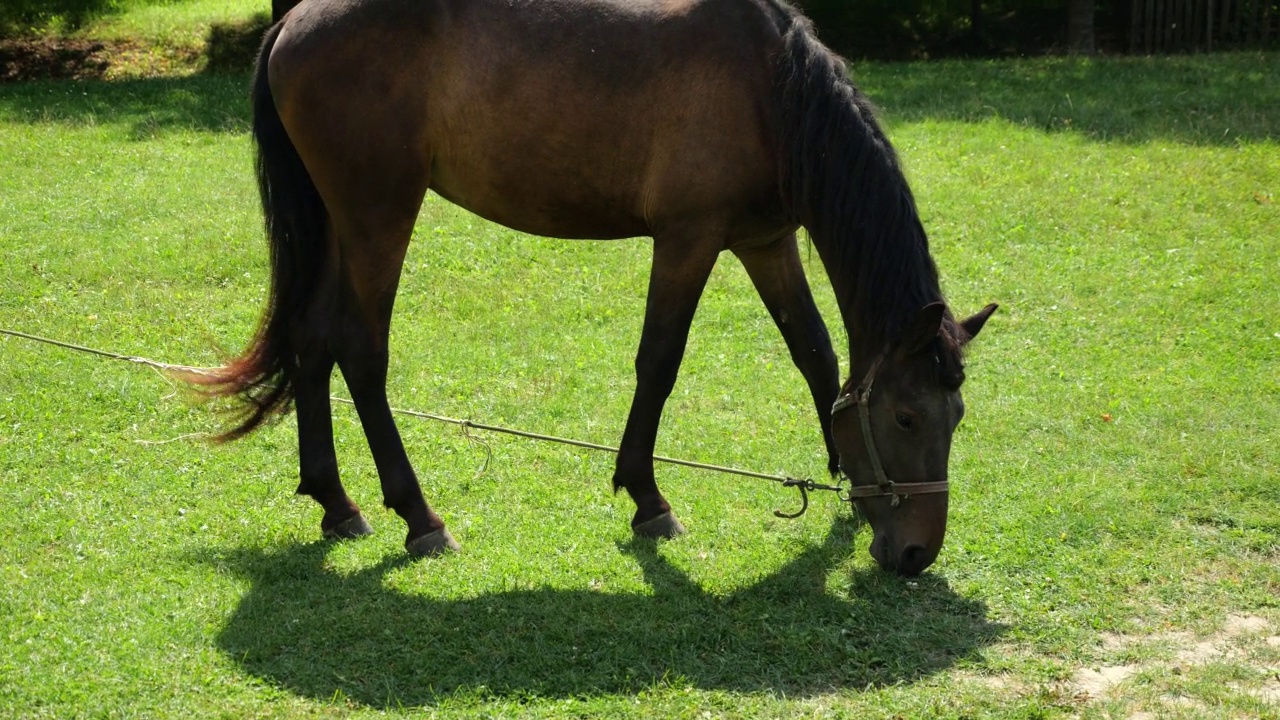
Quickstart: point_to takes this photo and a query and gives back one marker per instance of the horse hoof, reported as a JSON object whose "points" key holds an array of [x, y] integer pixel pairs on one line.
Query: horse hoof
{"points": [[664, 526], [353, 527], [432, 544]]}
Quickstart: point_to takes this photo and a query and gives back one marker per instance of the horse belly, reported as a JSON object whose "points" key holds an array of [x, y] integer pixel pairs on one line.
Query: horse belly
{"points": [[565, 159], [545, 189]]}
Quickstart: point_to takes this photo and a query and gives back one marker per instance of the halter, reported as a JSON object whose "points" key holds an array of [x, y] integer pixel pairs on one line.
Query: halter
{"points": [[884, 487]]}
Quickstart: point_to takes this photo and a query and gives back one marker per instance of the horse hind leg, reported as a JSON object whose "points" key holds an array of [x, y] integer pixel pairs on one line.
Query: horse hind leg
{"points": [[371, 259], [343, 168], [317, 458]]}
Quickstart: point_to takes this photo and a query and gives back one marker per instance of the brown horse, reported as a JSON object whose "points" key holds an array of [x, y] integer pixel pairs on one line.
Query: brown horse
{"points": [[709, 125]]}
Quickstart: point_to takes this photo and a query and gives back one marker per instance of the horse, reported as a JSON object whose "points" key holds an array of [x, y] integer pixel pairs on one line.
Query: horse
{"points": [[708, 125]]}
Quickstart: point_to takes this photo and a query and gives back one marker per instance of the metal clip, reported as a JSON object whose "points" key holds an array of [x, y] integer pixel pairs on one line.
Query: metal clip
{"points": [[804, 486]]}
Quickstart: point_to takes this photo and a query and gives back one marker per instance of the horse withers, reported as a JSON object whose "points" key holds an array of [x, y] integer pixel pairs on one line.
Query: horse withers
{"points": [[709, 125]]}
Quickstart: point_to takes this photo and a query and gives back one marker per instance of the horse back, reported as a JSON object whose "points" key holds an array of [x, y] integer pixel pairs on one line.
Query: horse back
{"points": [[571, 118]]}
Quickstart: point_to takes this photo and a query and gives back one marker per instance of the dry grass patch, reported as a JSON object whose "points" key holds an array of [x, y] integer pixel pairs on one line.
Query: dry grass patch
{"points": [[1178, 673], [1233, 671]]}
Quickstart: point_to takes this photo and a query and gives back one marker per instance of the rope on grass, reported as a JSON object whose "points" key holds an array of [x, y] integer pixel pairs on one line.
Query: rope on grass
{"points": [[467, 425]]}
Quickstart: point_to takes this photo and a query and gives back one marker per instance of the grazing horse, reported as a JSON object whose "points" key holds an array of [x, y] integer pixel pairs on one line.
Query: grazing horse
{"points": [[709, 125]]}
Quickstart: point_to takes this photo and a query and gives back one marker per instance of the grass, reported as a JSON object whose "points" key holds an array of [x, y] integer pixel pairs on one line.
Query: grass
{"points": [[1116, 503], [134, 39], [173, 22]]}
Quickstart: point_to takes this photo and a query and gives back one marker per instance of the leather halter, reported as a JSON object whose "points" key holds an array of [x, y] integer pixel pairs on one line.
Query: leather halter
{"points": [[884, 487]]}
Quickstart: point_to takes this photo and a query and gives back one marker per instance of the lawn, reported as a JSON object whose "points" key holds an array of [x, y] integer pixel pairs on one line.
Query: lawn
{"points": [[1115, 528]]}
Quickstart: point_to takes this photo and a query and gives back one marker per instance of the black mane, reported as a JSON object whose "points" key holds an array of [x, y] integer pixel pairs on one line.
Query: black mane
{"points": [[840, 178]]}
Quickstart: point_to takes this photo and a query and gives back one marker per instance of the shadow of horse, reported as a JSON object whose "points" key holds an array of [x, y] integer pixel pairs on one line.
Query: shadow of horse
{"points": [[319, 633]]}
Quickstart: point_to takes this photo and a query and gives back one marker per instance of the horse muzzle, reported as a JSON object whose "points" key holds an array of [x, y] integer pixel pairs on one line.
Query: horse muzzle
{"points": [[908, 560]]}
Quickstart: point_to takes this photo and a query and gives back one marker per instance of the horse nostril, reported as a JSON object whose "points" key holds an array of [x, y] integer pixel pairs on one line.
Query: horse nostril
{"points": [[914, 559]]}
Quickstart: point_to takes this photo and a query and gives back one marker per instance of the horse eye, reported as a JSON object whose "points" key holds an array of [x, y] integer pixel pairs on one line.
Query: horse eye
{"points": [[905, 421]]}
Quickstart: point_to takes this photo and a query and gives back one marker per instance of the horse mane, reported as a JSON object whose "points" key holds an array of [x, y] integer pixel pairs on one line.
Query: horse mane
{"points": [[840, 178]]}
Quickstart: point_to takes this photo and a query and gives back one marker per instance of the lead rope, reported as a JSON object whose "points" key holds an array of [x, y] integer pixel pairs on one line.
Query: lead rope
{"points": [[804, 486]]}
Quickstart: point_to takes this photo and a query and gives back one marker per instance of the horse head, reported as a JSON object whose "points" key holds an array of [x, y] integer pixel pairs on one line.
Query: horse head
{"points": [[893, 433]]}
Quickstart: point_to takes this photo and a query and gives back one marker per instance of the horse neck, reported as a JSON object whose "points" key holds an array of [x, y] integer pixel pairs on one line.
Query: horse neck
{"points": [[841, 179], [882, 275]]}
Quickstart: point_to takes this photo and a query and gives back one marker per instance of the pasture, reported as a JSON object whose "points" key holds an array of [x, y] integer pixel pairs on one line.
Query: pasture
{"points": [[1114, 537]]}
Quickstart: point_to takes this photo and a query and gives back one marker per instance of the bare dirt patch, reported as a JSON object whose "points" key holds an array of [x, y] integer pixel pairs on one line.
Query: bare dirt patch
{"points": [[1270, 690], [227, 48], [52, 58], [1179, 651], [1096, 682], [999, 683], [1245, 625], [76, 59]]}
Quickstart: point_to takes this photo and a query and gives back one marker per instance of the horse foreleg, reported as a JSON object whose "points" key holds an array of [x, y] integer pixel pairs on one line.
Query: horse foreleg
{"points": [[778, 275], [680, 269]]}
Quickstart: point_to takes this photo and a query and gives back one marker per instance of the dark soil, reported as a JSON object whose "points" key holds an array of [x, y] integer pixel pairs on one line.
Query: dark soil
{"points": [[228, 48], [54, 58]]}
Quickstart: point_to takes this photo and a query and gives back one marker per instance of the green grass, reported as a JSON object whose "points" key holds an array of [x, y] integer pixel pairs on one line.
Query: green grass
{"points": [[165, 38], [1192, 99], [174, 22], [1116, 504]]}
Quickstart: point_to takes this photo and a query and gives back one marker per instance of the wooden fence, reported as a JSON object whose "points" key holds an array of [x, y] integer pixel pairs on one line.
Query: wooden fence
{"points": [[1181, 25]]}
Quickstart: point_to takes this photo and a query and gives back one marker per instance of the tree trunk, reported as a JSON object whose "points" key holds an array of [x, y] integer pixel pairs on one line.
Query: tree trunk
{"points": [[280, 7], [975, 20], [1080, 26]]}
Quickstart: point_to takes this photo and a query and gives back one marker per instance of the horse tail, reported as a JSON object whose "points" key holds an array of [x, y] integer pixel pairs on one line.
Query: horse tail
{"points": [[263, 377]]}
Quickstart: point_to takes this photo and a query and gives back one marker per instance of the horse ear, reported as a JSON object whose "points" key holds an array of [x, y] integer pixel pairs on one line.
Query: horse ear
{"points": [[973, 324], [923, 329]]}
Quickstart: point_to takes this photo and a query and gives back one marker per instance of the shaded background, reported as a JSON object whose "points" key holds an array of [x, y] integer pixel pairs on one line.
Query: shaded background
{"points": [[911, 29], [917, 29]]}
